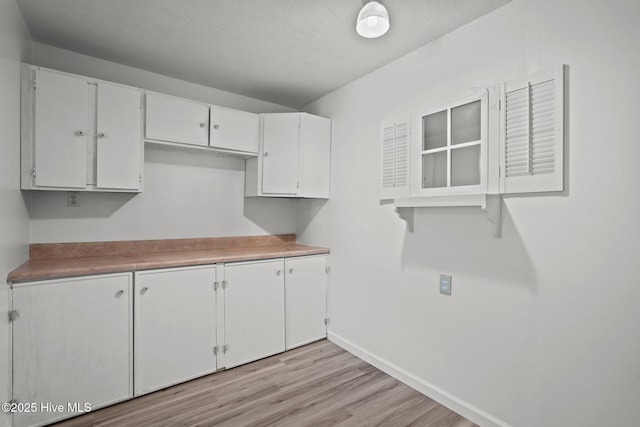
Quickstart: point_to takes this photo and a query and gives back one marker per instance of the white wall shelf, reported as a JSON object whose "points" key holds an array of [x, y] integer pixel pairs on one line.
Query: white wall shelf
{"points": [[219, 152], [491, 204]]}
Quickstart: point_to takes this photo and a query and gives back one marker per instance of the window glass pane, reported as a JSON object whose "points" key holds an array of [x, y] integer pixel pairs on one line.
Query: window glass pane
{"points": [[465, 123], [465, 166], [434, 130], [434, 170]]}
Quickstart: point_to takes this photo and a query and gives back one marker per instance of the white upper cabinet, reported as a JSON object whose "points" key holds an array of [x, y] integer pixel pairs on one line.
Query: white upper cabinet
{"points": [[61, 132], [176, 120], [119, 125], [79, 133], [294, 159], [532, 133], [172, 121], [233, 129]]}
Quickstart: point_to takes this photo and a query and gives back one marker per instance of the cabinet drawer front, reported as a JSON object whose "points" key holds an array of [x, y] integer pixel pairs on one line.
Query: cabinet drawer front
{"points": [[176, 120]]}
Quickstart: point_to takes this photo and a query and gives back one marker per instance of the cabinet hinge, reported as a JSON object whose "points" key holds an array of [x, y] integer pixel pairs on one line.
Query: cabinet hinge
{"points": [[215, 350], [33, 172], [13, 315], [140, 178], [326, 320], [500, 105], [215, 285], [224, 284], [327, 269], [298, 185], [34, 84], [225, 348], [141, 105]]}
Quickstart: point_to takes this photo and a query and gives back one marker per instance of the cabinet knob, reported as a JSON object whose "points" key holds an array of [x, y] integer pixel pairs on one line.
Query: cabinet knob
{"points": [[266, 154], [79, 133], [278, 272], [216, 126], [101, 135], [119, 293], [291, 271], [144, 290], [202, 125]]}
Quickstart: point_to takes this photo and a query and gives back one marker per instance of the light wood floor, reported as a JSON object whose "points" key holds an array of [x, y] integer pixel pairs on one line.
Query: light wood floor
{"points": [[316, 385]]}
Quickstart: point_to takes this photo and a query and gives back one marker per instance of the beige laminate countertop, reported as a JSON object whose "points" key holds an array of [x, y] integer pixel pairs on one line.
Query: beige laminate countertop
{"points": [[52, 261]]}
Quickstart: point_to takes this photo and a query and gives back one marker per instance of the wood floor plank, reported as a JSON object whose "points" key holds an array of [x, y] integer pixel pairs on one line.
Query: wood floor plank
{"points": [[319, 384]]}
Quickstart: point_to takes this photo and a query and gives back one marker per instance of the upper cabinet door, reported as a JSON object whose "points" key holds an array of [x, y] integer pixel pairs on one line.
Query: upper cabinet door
{"points": [[61, 130], [280, 145], [315, 156], [233, 129], [176, 120], [119, 137]]}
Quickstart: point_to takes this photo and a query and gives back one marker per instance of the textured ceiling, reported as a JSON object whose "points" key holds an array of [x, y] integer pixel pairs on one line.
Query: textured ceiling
{"points": [[289, 52]]}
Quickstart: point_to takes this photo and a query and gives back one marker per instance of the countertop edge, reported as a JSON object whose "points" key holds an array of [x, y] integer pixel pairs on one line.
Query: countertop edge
{"points": [[38, 269]]}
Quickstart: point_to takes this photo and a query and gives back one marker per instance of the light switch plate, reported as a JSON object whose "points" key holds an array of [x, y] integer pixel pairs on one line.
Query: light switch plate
{"points": [[445, 284]]}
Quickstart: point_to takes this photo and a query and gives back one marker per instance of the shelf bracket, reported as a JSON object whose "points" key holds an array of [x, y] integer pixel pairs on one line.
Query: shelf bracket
{"points": [[493, 208], [406, 214]]}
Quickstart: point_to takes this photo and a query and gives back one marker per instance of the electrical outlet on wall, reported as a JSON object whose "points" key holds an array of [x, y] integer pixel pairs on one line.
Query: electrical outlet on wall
{"points": [[445, 284], [73, 199]]}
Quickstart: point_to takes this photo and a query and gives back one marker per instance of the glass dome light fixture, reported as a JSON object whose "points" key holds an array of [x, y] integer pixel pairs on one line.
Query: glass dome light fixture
{"points": [[373, 20]]}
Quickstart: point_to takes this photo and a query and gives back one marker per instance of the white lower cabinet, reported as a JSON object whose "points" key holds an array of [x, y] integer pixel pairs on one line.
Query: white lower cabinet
{"points": [[305, 300], [254, 310], [72, 342], [103, 339], [175, 326]]}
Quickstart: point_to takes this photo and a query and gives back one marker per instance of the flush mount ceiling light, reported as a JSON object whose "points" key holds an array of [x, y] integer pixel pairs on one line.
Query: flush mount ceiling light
{"points": [[373, 20]]}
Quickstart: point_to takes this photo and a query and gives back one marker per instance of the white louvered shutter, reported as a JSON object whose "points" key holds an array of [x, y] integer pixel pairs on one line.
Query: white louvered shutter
{"points": [[395, 158], [532, 133]]}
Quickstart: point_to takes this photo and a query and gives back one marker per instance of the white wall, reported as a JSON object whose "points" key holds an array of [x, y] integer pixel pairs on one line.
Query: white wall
{"points": [[15, 45], [72, 62], [185, 194], [543, 327]]}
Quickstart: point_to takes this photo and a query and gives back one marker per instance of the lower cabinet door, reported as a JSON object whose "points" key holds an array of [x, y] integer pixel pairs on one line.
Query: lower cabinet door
{"points": [[72, 343], [254, 310], [306, 299], [175, 326]]}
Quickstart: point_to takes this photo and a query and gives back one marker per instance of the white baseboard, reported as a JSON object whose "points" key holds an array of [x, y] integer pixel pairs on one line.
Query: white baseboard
{"points": [[452, 402]]}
